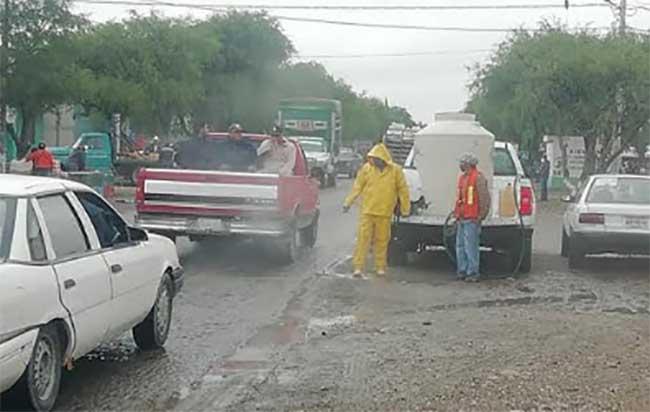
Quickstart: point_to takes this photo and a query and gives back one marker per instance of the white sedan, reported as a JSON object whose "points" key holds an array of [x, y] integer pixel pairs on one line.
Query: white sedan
{"points": [[73, 274], [610, 214]]}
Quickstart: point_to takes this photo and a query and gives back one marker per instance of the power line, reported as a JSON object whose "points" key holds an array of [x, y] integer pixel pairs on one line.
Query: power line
{"points": [[407, 54], [555, 5]]}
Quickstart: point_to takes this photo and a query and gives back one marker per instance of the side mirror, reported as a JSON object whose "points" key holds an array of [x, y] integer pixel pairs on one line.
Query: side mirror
{"points": [[138, 235], [568, 199]]}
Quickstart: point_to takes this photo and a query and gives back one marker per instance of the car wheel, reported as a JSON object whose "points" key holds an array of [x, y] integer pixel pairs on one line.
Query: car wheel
{"points": [[309, 235], [153, 331], [397, 253], [39, 385], [564, 248], [576, 256], [288, 247]]}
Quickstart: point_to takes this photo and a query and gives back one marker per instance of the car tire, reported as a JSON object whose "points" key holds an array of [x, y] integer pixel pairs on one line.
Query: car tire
{"points": [[576, 256], [564, 246], [288, 247], [38, 387], [397, 253], [153, 331], [309, 235]]}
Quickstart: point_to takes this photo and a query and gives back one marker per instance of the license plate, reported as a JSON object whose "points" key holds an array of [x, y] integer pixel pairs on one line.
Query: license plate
{"points": [[210, 225], [636, 223]]}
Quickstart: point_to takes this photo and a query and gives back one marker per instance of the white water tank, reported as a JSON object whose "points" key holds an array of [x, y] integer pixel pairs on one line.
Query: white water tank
{"points": [[438, 149]]}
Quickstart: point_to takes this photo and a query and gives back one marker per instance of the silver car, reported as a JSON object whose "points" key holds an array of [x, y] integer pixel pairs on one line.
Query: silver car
{"points": [[609, 214]]}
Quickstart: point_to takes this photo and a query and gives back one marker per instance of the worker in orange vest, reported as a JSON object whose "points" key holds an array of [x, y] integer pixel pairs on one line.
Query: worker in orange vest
{"points": [[472, 207], [42, 160]]}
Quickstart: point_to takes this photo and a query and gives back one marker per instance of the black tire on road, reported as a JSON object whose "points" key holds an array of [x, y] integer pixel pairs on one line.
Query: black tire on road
{"points": [[309, 235], [397, 253], [153, 331], [576, 256], [38, 387], [564, 248], [287, 247]]}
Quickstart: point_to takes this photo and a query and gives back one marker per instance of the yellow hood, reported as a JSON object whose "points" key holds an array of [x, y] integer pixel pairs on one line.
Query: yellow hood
{"points": [[381, 151]]}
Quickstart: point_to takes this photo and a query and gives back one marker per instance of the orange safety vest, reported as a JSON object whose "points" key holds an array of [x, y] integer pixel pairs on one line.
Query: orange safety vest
{"points": [[467, 201]]}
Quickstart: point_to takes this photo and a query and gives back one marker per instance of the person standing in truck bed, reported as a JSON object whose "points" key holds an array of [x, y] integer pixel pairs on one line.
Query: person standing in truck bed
{"points": [[236, 154], [277, 154]]}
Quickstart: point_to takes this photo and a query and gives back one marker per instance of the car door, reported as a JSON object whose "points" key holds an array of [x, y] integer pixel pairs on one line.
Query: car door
{"points": [[82, 274], [135, 268]]}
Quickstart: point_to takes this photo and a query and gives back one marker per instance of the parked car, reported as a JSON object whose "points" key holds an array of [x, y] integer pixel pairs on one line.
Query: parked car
{"points": [[202, 204], [73, 274], [348, 162], [320, 158], [609, 214]]}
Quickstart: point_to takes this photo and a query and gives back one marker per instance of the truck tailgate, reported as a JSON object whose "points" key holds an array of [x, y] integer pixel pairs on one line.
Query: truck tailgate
{"points": [[206, 192]]}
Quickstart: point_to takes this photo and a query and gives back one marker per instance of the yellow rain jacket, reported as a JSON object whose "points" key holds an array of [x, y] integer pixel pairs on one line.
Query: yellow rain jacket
{"points": [[380, 190]]}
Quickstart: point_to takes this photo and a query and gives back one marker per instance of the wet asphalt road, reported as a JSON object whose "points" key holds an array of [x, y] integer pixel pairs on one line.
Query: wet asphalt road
{"points": [[251, 335], [232, 292]]}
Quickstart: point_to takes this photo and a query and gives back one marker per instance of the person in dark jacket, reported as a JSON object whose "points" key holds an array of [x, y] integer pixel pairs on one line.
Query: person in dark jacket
{"points": [[236, 154], [544, 174], [77, 160]]}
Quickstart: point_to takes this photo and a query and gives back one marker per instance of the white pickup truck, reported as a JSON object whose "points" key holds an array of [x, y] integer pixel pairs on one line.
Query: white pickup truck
{"points": [[73, 274], [503, 233]]}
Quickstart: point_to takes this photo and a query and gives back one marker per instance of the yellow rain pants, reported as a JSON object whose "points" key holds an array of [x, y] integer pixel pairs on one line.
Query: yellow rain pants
{"points": [[373, 230]]}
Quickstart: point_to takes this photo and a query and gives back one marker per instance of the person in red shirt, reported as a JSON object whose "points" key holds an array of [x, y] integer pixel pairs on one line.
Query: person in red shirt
{"points": [[42, 160]]}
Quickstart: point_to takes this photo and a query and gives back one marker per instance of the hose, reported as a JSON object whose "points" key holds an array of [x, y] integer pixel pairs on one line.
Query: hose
{"points": [[522, 231]]}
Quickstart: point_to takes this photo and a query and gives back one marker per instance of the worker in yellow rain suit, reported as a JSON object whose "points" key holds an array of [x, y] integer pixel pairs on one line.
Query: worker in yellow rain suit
{"points": [[380, 183]]}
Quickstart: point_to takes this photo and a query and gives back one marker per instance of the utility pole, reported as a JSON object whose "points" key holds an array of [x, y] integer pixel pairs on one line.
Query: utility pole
{"points": [[622, 17], [4, 66]]}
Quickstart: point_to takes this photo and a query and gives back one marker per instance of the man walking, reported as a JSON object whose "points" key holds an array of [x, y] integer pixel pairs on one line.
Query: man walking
{"points": [[380, 184], [544, 174], [472, 207]]}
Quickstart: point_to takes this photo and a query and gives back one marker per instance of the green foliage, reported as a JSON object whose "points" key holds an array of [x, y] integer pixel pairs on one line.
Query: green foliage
{"points": [[39, 74], [172, 76], [559, 83]]}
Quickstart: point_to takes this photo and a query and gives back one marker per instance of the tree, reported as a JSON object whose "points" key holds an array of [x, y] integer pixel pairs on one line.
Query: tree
{"points": [[560, 83], [40, 75], [147, 68]]}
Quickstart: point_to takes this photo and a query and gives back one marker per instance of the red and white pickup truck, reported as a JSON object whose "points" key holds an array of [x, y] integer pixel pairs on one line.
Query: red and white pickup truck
{"points": [[205, 203]]}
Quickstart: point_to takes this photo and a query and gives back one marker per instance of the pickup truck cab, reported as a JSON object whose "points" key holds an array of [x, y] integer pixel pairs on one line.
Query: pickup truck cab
{"points": [[100, 156], [509, 231], [73, 274], [211, 203], [319, 159]]}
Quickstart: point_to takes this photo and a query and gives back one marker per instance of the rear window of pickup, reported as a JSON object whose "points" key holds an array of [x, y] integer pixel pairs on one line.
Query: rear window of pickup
{"points": [[503, 164]]}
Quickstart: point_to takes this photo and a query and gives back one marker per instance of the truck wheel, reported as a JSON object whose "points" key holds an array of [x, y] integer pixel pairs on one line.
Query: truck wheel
{"points": [[153, 331], [576, 256], [288, 247], [38, 387], [397, 253], [331, 180], [564, 248], [309, 235]]}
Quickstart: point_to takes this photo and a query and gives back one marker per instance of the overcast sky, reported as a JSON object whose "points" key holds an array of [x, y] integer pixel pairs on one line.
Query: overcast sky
{"points": [[423, 84]]}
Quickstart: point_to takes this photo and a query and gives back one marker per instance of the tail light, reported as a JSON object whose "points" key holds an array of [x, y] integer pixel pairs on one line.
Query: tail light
{"points": [[139, 187], [526, 200], [592, 218]]}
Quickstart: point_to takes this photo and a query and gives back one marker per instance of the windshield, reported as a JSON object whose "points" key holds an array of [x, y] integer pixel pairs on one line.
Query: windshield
{"points": [[621, 190], [7, 207], [312, 147]]}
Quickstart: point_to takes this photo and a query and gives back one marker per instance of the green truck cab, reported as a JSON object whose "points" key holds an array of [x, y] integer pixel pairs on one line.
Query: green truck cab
{"points": [[101, 156], [313, 120]]}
